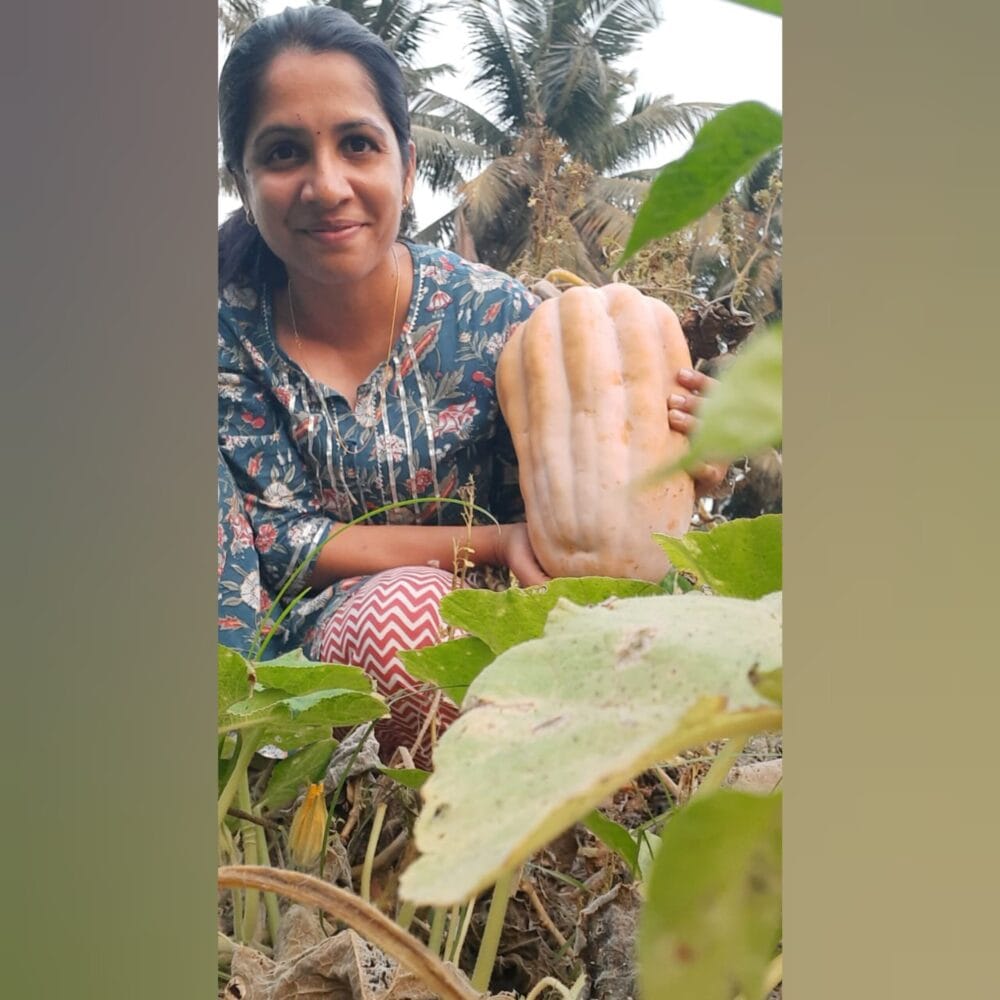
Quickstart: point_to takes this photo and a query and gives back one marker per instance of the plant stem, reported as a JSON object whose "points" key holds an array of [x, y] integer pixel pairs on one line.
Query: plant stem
{"points": [[270, 899], [488, 947], [454, 919], [406, 914], [249, 834], [366, 872], [466, 924], [437, 929], [247, 749], [721, 766]]}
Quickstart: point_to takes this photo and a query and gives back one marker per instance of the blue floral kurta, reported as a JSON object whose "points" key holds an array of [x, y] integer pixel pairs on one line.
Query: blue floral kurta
{"points": [[424, 422]]}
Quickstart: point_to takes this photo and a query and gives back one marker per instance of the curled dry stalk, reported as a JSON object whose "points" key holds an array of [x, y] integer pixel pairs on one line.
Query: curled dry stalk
{"points": [[444, 981]]}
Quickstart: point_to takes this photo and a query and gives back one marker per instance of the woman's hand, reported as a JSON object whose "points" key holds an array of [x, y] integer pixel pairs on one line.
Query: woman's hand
{"points": [[517, 555], [682, 416]]}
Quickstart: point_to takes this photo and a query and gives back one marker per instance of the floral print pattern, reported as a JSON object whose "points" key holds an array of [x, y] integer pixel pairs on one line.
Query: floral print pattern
{"points": [[302, 459]]}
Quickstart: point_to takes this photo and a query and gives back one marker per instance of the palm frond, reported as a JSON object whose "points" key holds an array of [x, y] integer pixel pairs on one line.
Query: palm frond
{"points": [[599, 220], [235, 16], [617, 28], [441, 232], [438, 111], [574, 83], [441, 157], [625, 192], [652, 121], [502, 71]]}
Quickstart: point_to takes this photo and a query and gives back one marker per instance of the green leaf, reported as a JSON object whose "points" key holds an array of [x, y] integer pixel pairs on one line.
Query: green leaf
{"points": [[408, 777], [293, 773], [555, 725], [770, 683], [451, 666], [741, 558], [294, 737], [767, 6], [615, 836], [724, 150], [649, 846], [742, 414], [505, 618], [295, 674], [712, 919], [234, 679], [277, 712]]}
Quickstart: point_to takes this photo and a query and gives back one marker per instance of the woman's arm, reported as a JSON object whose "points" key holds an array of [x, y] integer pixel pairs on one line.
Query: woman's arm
{"points": [[370, 548]]}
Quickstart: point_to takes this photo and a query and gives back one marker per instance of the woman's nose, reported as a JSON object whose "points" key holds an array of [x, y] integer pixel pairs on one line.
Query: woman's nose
{"points": [[327, 182]]}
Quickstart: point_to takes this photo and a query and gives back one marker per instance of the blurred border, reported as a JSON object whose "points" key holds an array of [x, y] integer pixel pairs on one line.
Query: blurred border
{"points": [[108, 282], [890, 233], [109, 215]]}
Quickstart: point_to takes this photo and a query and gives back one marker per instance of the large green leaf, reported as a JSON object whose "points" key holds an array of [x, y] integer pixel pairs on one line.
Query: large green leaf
{"points": [[451, 666], [277, 711], [741, 558], [712, 918], [723, 151], [555, 725], [293, 773], [234, 679], [504, 618], [295, 674]]}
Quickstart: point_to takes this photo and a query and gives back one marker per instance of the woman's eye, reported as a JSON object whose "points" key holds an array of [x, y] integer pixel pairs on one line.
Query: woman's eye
{"points": [[358, 144], [282, 153]]}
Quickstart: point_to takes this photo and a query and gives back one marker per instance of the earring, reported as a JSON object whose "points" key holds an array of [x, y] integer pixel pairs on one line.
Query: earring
{"points": [[250, 218]]}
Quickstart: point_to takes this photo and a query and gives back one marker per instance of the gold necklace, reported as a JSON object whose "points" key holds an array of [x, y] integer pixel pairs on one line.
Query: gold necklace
{"points": [[392, 324]]}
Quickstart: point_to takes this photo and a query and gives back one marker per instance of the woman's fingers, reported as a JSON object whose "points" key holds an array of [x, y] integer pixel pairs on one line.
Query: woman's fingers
{"points": [[708, 476], [695, 381]]}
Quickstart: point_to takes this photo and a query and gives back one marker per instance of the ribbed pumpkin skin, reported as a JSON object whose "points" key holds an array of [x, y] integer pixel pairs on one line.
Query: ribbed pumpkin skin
{"points": [[583, 386]]}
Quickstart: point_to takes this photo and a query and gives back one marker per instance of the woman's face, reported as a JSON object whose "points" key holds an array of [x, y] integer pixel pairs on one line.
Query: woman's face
{"points": [[322, 170]]}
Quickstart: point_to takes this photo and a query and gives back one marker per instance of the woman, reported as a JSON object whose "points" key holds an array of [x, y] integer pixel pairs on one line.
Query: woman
{"points": [[355, 369]]}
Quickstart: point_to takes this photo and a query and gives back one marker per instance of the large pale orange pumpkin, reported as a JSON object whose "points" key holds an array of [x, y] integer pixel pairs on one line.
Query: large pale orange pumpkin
{"points": [[583, 386]]}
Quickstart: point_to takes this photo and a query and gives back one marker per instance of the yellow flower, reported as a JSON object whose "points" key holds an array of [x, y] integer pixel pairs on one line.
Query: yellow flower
{"points": [[308, 830]]}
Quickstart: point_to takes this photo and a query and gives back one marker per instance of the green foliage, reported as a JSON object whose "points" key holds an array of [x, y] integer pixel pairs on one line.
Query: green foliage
{"points": [[615, 836], [767, 6], [311, 695], [293, 773], [451, 666], [234, 681], [737, 559], [556, 724], [769, 684], [723, 150], [408, 777], [277, 711], [505, 618], [295, 674], [712, 920]]}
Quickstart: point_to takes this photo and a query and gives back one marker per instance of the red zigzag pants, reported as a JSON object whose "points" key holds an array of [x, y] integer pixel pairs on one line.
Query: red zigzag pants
{"points": [[393, 610]]}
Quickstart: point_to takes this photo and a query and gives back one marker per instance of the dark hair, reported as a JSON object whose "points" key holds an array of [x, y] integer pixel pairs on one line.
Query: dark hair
{"points": [[243, 254]]}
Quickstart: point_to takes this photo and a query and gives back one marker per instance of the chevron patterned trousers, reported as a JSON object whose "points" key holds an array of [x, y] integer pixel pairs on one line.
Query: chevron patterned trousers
{"points": [[393, 610]]}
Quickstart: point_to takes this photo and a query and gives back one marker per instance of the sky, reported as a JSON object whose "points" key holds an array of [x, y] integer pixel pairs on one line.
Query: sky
{"points": [[705, 50]]}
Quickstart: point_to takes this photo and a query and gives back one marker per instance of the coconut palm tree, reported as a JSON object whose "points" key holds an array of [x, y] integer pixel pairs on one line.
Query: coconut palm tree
{"points": [[542, 177]]}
